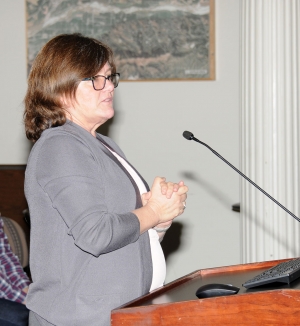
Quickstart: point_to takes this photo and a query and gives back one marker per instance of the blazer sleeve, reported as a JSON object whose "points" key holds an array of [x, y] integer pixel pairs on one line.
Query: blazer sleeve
{"points": [[72, 177]]}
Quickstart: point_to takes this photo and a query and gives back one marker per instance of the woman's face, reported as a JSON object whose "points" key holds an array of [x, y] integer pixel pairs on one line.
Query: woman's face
{"points": [[92, 108]]}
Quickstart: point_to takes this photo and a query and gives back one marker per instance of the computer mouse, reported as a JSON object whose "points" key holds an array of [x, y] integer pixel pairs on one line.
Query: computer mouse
{"points": [[216, 290]]}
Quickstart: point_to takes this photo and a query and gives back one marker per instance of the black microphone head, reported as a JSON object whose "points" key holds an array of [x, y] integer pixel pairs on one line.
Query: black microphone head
{"points": [[188, 135]]}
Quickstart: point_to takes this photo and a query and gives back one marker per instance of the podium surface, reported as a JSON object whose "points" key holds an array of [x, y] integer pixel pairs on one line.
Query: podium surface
{"points": [[177, 304]]}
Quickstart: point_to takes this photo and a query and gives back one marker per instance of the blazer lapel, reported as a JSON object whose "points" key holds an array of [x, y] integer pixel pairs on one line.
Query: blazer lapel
{"points": [[111, 156]]}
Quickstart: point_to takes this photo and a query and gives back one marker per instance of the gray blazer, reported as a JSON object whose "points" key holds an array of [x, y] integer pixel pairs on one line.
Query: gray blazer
{"points": [[86, 252]]}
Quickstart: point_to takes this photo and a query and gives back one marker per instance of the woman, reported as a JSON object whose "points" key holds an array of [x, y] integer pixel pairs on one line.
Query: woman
{"points": [[91, 212]]}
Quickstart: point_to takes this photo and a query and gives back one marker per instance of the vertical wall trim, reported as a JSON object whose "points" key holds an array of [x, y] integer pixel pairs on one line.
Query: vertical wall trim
{"points": [[270, 124]]}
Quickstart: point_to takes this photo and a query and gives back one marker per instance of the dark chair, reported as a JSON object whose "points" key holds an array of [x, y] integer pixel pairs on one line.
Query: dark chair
{"points": [[17, 240]]}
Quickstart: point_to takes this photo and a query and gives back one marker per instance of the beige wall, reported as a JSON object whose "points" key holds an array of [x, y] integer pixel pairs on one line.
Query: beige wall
{"points": [[14, 147], [148, 125]]}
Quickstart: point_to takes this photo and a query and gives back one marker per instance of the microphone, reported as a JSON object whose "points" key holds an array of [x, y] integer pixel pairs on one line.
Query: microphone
{"points": [[189, 136]]}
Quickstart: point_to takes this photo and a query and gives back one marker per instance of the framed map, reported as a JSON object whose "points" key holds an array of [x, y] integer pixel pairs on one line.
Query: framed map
{"points": [[151, 39]]}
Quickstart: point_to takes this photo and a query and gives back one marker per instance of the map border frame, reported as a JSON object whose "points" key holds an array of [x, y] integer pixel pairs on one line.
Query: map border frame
{"points": [[210, 60]]}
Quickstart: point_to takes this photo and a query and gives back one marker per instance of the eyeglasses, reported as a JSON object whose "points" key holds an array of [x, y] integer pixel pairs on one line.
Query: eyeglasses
{"points": [[99, 81]]}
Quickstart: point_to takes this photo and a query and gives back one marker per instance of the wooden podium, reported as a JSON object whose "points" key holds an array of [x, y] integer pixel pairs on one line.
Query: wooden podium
{"points": [[177, 304]]}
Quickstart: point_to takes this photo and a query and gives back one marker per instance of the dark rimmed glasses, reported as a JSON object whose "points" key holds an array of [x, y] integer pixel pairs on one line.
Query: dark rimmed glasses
{"points": [[99, 81]]}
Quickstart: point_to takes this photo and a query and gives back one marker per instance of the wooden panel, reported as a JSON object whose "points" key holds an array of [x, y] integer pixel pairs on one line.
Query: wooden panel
{"points": [[278, 307], [12, 198], [262, 306]]}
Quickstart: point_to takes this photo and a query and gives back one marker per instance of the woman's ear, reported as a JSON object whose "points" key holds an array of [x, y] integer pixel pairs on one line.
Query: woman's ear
{"points": [[65, 102]]}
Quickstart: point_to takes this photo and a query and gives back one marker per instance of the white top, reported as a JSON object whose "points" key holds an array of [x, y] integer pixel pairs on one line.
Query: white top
{"points": [[158, 258]]}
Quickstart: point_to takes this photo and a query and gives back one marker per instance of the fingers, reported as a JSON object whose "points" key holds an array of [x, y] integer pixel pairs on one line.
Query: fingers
{"points": [[167, 199], [164, 225], [182, 205], [145, 197], [168, 188], [182, 190]]}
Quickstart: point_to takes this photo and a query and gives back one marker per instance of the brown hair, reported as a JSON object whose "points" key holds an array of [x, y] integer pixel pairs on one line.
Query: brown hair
{"points": [[56, 71]]}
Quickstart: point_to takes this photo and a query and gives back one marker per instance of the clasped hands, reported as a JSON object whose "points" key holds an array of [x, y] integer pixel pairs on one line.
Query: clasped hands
{"points": [[167, 200]]}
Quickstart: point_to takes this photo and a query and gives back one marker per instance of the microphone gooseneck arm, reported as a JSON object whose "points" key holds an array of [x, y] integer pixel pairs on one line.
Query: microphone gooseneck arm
{"points": [[189, 136]]}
